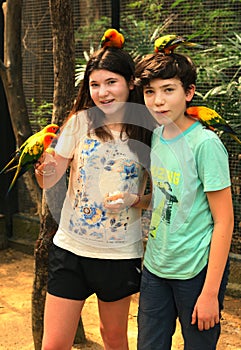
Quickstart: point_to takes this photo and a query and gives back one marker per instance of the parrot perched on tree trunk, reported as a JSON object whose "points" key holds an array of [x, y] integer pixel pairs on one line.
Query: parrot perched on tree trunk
{"points": [[31, 153], [212, 120], [50, 128]]}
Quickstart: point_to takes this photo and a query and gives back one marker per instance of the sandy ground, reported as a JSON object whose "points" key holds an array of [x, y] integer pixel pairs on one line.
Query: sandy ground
{"points": [[16, 277]]}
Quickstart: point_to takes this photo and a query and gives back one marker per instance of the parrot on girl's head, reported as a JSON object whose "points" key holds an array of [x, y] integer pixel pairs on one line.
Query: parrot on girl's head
{"points": [[212, 120], [112, 38], [168, 43], [50, 128], [31, 153]]}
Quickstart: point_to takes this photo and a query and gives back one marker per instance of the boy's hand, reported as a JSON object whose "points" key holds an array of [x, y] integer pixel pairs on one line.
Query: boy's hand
{"points": [[206, 312]]}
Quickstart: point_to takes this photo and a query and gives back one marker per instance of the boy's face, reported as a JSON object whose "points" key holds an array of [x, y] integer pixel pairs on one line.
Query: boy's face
{"points": [[166, 100]]}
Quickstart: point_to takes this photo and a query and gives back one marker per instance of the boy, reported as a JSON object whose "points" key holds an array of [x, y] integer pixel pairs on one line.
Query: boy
{"points": [[185, 264]]}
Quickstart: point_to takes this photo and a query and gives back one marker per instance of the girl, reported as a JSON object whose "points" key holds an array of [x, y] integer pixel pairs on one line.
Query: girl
{"points": [[96, 248]]}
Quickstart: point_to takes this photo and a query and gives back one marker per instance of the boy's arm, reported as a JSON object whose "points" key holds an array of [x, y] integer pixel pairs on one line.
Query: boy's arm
{"points": [[206, 310]]}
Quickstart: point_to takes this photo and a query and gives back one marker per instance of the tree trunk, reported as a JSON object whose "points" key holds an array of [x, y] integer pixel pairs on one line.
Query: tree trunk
{"points": [[3, 233], [64, 67], [47, 230], [11, 74]]}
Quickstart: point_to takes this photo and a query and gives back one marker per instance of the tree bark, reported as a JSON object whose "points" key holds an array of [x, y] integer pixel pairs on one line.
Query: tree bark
{"points": [[11, 75], [47, 230], [64, 68], [63, 57], [3, 234]]}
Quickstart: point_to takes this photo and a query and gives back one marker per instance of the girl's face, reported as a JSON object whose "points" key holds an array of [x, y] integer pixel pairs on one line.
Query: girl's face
{"points": [[166, 100], [109, 90]]}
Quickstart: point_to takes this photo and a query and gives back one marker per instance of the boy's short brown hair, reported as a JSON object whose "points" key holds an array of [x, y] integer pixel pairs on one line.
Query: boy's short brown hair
{"points": [[162, 66]]}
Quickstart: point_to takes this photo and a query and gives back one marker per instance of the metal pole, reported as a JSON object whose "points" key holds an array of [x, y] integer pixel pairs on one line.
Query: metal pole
{"points": [[115, 12]]}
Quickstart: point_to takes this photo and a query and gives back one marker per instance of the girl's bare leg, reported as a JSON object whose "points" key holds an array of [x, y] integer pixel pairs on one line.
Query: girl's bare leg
{"points": [[114, 323], [61, 318]]}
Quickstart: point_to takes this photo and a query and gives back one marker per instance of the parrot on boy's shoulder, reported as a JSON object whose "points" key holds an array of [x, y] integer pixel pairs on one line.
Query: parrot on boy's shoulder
{"points": [[212, 120]]}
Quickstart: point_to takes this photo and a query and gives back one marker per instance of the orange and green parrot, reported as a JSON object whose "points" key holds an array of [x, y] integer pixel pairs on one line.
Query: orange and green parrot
{"points": [[168, 43], [112, 38], [50, 128], [31, 153], [212, 120]]}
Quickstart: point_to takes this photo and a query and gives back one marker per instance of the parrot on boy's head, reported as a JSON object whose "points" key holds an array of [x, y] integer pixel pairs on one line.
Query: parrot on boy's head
{"points": [[168, 43]]}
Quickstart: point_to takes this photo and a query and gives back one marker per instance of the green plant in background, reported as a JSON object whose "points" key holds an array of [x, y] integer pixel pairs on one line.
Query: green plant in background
{"points": [[219, 79], [90, 35], [80, 66], [141, 40], [204, 18], [149, 9], [42, 112], [89, 38]]}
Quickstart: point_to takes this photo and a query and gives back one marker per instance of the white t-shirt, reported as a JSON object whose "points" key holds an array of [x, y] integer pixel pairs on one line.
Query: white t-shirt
{"points": [[86, 228]]}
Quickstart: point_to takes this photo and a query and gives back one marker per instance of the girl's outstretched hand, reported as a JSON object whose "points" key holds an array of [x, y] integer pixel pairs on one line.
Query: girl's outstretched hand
{"points": [[46, 164]]}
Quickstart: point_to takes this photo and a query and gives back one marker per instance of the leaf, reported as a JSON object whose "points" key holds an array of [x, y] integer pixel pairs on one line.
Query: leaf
{"points": [[176, 3]]}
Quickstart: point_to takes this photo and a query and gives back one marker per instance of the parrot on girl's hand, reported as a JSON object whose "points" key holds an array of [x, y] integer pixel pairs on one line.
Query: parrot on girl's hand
{"points": [[168, 43], [31, 153], [212, 120], [112, 38], [50, 128]]}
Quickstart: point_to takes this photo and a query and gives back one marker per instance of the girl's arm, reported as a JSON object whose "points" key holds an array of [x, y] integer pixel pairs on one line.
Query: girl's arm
{"points": [[50, 169], [143, 202], [206, 310]]}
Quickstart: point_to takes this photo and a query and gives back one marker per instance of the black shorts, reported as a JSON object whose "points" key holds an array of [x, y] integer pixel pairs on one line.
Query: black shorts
{"points": [[76, 277]]}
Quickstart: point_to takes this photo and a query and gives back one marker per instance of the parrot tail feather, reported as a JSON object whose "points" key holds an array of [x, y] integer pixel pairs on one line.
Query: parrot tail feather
{"points": [[235, 138], [6, 168], [14, 179], [10, 169]]}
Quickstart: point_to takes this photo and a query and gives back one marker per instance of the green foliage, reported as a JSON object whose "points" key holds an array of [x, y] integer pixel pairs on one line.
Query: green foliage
{"points": [[42, 112], [149, 9], [90, 35], [219, 81], [212, 20], [139, 36], [81, 65], [89, 38]]}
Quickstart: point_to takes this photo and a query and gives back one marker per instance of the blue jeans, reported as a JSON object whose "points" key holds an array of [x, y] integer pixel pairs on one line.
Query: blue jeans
{"points": [[162, 301]]}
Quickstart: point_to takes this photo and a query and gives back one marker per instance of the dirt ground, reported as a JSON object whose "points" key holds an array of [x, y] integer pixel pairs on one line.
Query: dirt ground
{"points": [[16, 277]]}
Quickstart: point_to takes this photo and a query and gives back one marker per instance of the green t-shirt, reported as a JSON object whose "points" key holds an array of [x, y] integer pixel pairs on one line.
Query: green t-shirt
{"points": [[183, 169]]}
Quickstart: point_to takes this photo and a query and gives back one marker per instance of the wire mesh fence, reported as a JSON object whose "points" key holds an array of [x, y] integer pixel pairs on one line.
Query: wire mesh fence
{"points": [[214, 24]]}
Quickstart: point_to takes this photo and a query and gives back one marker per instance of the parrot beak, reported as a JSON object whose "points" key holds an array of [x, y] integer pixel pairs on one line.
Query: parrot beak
{"points": [[104, 40]]}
